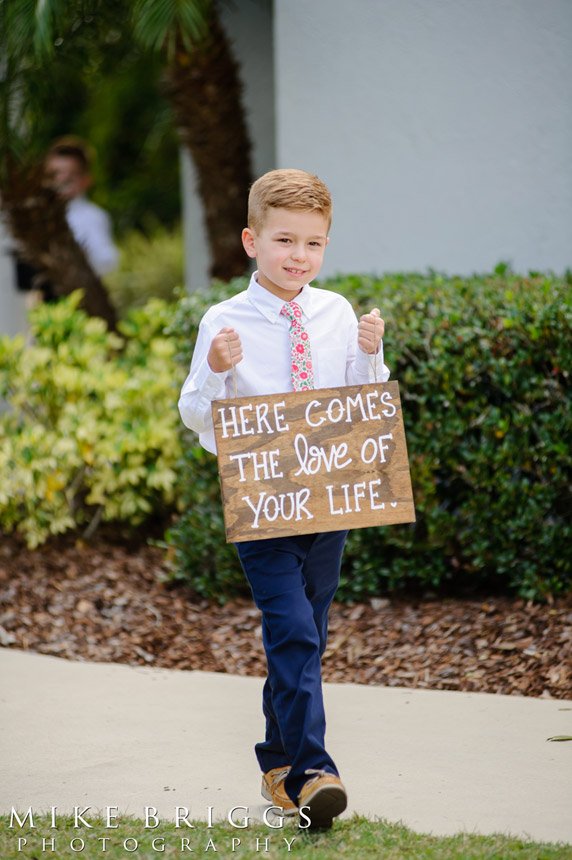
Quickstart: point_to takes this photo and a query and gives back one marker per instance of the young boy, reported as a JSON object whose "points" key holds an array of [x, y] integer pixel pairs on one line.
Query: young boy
{"points": [[278, 335]]}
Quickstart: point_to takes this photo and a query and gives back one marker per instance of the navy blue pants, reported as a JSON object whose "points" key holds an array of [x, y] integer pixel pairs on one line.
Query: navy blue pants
{"points": [[293, 582]]}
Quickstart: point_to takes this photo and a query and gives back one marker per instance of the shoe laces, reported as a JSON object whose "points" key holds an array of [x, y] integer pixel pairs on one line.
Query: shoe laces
{"points": [[280, 776], [317, 774]]}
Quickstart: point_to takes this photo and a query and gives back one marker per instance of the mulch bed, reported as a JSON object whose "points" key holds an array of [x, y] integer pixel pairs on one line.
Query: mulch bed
{"points": [[110, 602]]}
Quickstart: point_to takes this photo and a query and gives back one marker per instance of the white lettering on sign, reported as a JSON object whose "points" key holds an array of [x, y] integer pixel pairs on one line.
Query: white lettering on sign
{"points": [[264, 464], [353, 495], [286, 506], [312, 461], [372, 447], [312, 457], [238, 420], [350, 409]]}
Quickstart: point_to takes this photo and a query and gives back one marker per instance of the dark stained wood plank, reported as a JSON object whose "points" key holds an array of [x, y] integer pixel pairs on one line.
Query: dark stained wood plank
{"points": [[311, 461]]}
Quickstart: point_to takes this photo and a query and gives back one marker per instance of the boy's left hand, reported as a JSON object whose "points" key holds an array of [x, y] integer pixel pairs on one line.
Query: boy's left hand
{"points": [[370, 331]]}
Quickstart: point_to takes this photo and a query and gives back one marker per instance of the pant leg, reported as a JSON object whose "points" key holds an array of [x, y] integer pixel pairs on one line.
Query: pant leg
{"points": [[293, 581], [327, 548], [270, 753]]}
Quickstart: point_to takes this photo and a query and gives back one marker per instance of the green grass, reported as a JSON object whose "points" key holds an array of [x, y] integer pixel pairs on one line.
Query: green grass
{"points": [[356, 837]]}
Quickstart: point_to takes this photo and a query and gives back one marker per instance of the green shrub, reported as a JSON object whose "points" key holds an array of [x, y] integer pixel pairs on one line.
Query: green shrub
{"points": [[483, 365], [198, 553], [149, 267], [91, 431]]}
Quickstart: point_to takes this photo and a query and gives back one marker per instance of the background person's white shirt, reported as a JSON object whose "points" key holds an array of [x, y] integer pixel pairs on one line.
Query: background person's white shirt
{"points": [[91, 227], [330, 322]]}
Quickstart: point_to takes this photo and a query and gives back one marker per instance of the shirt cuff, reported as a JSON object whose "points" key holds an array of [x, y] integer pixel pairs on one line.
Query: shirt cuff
{"points": [[209, 383], [372, 367]]}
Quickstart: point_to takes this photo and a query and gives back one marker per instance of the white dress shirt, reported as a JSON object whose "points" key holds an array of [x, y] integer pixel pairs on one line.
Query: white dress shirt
{"points": [[255, 315], [91, 227]]}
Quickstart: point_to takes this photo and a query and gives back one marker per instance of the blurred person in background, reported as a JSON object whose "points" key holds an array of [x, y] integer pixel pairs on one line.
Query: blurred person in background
{"points": [[68, 171]]}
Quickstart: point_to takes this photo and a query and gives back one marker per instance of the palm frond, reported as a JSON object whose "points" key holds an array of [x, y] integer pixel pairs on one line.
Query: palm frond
{"points": [[157, 23], [48, 16], [17, 27]]}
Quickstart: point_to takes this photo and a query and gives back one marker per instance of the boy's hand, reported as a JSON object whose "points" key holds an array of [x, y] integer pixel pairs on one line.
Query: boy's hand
{"points": [[225, 350], [370, 331]]}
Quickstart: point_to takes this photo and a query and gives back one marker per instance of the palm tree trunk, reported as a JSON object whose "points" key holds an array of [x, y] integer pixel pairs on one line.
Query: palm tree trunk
{"points": [[204, 87], [36, 218]]}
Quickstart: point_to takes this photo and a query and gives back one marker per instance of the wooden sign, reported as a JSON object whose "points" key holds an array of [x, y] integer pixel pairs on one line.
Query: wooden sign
{"points": [[312, 461]]}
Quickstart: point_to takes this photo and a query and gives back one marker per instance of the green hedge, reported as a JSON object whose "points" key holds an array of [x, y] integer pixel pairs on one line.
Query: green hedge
{"points": [[91, 432], [483, 365]]}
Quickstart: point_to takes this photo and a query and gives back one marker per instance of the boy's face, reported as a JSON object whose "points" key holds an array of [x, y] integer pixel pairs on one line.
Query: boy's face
{"points": [[289, 249]]}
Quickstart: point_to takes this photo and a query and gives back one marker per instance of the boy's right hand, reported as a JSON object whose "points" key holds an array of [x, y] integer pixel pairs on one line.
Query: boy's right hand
{"points": [[225, 350]]}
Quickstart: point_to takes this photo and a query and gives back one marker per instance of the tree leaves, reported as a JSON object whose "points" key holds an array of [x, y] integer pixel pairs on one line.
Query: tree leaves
{"points": [[158, 23]]}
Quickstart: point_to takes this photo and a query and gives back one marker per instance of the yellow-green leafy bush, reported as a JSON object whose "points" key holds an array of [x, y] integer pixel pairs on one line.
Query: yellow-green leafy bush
{"points": [[149, 267], [89, 430]]}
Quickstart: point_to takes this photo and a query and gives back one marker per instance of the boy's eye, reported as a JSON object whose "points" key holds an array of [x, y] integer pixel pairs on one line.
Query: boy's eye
{"points": [[287, 241]]}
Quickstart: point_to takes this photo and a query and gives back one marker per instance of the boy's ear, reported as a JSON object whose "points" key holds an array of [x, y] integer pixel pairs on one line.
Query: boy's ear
{"points": [[248, 241]]}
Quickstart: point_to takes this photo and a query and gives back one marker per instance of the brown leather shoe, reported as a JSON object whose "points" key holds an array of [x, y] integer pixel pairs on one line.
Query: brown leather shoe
{"points": [[273, 789], [324, 797]]}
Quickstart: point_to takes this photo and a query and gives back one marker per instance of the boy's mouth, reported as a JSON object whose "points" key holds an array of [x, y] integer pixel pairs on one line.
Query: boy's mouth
{"points": [[292, 271]]}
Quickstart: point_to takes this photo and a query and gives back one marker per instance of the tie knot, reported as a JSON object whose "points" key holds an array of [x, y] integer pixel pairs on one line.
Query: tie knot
{"points": [[292, 311]]}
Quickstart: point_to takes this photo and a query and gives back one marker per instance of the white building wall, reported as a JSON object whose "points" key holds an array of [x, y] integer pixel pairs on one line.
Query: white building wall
{"points": [[443, 128], [13, 314], [248, 23]]}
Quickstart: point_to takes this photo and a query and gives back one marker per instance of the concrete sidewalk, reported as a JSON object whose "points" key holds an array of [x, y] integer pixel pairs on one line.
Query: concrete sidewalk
{"points": [[99, 734]]}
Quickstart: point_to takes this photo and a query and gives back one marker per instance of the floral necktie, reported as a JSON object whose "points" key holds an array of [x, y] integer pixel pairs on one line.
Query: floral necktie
{"points": [[301, 368]]}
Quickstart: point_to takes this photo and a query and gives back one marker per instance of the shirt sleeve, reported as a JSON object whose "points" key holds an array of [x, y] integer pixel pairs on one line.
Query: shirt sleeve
{"points": [[92, 230], [201, 386], [362, 368]]}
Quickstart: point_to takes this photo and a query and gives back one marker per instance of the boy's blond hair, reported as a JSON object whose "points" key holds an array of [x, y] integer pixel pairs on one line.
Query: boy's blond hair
{"points": [[287, 189]]}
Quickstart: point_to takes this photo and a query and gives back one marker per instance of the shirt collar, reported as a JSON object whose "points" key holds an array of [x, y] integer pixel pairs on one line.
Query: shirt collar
{"points": [[270, 305]]}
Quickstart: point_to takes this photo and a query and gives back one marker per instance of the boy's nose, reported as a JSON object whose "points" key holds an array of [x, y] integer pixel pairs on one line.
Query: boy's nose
{"points": [[298, 253]]}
